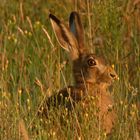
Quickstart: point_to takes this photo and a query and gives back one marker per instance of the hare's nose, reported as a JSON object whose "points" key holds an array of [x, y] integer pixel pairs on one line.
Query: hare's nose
{"points": [[113, 75]]}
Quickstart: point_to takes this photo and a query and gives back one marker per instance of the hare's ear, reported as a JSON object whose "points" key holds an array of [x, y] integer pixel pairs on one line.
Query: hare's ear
{"points": [[77, 29], [64, 36]]}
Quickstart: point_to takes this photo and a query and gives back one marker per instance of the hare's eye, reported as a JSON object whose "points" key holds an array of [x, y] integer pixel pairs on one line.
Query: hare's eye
{"points": [[91, 62]]}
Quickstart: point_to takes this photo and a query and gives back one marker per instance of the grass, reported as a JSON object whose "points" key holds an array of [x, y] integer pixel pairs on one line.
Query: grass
{"points": [[33, 66]]}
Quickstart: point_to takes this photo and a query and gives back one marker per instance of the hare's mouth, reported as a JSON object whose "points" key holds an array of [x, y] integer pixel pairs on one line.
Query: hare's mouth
{"points": [[109, 83], [115, 78]]}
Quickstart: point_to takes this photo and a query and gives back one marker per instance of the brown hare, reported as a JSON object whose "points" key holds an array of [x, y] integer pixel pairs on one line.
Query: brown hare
{"points": [[91, 74]]}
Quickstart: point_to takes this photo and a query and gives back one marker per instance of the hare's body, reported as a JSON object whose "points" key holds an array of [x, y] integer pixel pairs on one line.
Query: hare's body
{"points": [[92, 75], [78, 95]]}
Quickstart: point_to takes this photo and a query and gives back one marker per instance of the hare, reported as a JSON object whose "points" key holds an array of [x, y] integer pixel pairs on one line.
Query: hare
{"points": [[91, 73]]}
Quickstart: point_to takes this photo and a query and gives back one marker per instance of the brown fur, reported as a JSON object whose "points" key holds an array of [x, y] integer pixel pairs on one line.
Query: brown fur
{"points": [[91, 73], [103, 102]]}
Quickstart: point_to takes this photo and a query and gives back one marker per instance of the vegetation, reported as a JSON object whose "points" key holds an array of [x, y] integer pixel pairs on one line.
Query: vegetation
{"points": [[32, 65]]}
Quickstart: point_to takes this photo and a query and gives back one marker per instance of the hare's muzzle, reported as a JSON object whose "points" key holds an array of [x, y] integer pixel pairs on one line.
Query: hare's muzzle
{"points": [[113, 74]]}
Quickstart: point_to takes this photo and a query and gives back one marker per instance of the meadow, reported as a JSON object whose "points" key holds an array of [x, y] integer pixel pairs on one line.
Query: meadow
{"points": [[33, 66]]}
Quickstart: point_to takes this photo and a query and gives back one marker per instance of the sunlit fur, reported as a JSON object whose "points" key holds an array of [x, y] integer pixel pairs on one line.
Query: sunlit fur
{"points": [[91, 74]]}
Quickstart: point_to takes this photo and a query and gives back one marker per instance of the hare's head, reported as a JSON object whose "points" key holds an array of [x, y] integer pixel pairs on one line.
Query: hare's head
{"points": [[87, 67]]}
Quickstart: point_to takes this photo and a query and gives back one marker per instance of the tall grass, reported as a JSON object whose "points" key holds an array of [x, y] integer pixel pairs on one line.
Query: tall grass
{"points": [[32, 64]]}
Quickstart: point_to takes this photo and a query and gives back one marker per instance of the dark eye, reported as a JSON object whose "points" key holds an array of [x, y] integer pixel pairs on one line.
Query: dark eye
{"points": [[91, 62]]}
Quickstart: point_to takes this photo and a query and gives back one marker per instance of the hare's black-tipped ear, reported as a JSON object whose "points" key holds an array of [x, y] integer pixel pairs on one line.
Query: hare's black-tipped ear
{"points": [[65, 38], [77, 29]]}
